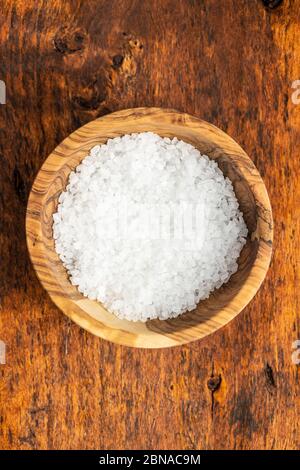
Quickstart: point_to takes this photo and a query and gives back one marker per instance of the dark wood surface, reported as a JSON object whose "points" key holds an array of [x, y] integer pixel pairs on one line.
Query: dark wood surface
{"points": [[230, 63]]}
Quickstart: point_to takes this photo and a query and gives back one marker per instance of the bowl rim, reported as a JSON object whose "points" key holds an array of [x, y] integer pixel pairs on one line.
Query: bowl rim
{"points": [[72, 307]]}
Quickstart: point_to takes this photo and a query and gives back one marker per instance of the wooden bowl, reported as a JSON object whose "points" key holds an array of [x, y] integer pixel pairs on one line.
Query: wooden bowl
{"points": [[223, 304]]}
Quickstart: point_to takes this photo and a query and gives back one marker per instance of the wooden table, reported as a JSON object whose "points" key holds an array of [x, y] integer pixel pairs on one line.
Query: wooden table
{"points": [[230, 63]]}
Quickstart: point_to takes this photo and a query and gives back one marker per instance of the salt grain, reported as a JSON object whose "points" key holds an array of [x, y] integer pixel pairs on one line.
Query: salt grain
{"points": [[148, 226]]}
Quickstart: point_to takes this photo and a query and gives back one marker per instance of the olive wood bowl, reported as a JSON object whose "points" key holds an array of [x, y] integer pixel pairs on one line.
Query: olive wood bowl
{"points": [[224, 303]]}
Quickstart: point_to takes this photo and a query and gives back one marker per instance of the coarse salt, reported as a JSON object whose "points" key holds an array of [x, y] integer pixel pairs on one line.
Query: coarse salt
{"points": [[148, 226]]}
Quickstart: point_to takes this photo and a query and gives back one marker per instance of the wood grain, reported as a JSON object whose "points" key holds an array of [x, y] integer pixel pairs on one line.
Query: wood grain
{"points": [[210, 315], [228, 63]]}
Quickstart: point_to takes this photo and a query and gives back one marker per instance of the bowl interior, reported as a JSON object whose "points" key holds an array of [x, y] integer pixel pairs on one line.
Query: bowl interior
{"points": [[224, 303]]}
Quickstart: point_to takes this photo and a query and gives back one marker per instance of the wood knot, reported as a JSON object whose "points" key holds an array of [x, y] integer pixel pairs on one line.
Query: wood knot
{"points": [[272, 3], [68, 42], [269, 376], [117, 61], [92, 95], [214, 383]]}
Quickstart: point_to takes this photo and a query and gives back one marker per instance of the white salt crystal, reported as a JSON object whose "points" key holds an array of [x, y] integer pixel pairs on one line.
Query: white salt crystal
{"points": [[126, 229]]}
